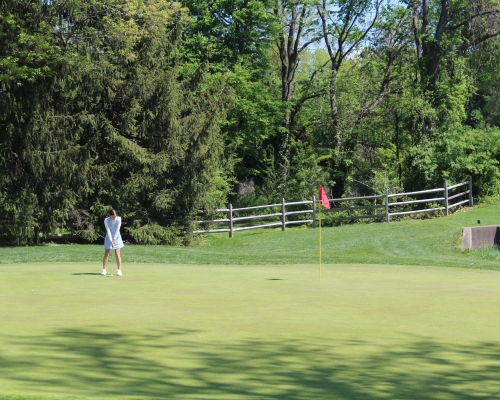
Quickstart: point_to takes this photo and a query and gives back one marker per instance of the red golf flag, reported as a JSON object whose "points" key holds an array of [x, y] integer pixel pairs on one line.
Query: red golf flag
{"points": [[323, 197]]}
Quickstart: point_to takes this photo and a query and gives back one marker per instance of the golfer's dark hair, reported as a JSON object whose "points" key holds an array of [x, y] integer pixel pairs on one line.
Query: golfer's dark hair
{"points": [[112, 212]]}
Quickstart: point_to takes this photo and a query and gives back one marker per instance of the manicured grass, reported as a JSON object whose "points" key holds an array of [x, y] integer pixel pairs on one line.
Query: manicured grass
{"points": [[400, 313], [412, 242], [258, 332]]}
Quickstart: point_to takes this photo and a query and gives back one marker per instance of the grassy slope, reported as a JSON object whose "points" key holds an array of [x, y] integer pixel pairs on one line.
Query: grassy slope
{"points": [[412, 242]]}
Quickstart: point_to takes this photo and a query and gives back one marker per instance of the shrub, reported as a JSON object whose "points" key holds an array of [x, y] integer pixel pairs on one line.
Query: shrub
{"points": [[454, 156]]}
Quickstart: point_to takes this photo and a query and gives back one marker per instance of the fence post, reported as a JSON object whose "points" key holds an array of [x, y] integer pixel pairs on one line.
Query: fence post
{"points": [[387, 216], [230, 220], [446, 205], [314, 212], [283, 215], [471, 199]]}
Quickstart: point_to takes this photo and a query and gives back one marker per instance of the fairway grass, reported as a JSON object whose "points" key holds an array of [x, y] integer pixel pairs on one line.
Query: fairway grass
{"points": [[255, 332], [412, 242]]}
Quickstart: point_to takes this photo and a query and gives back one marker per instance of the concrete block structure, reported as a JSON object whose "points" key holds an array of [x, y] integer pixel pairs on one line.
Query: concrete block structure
{"points": [[478, 237]]}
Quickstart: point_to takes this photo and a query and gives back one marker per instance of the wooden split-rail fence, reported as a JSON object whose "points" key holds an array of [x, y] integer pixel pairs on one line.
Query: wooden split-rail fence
{"points": [[378, 207]]}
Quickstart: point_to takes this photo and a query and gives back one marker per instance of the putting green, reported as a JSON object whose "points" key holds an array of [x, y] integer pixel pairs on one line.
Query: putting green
{"points": [[264, 332]]}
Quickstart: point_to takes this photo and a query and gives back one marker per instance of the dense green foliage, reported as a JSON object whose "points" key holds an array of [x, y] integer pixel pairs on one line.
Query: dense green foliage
{"points": [[106, 118], [161, 109]]}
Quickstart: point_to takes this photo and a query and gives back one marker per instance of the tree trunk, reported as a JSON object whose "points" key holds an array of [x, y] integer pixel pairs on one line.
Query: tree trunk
{"points": [[289, 51]]}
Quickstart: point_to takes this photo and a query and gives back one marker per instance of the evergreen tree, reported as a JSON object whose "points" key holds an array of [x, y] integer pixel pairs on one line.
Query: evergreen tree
{"points": [[113, 121]]}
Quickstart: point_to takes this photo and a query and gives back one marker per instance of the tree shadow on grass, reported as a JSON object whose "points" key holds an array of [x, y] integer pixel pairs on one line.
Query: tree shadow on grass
{"points": [[174, 364]]}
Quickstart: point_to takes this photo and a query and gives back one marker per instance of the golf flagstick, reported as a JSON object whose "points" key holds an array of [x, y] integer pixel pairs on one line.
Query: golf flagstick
{"points": [[319, 244], [325, 203]]}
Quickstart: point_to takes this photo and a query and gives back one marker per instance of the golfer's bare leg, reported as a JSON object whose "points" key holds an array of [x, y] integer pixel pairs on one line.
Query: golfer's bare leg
{"points": [[105, 259], [118, 259]]}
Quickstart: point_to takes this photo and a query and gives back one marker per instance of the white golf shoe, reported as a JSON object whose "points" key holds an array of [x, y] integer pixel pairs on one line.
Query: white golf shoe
{"points": [[103, 272], [119, 272]]}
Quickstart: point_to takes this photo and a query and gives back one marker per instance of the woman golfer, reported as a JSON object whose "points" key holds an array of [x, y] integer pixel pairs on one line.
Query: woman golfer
{"points": [[112, 241]]}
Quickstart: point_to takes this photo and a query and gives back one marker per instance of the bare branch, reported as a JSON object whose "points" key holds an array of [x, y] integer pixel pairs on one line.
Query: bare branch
{"points": [[471, 18]]}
